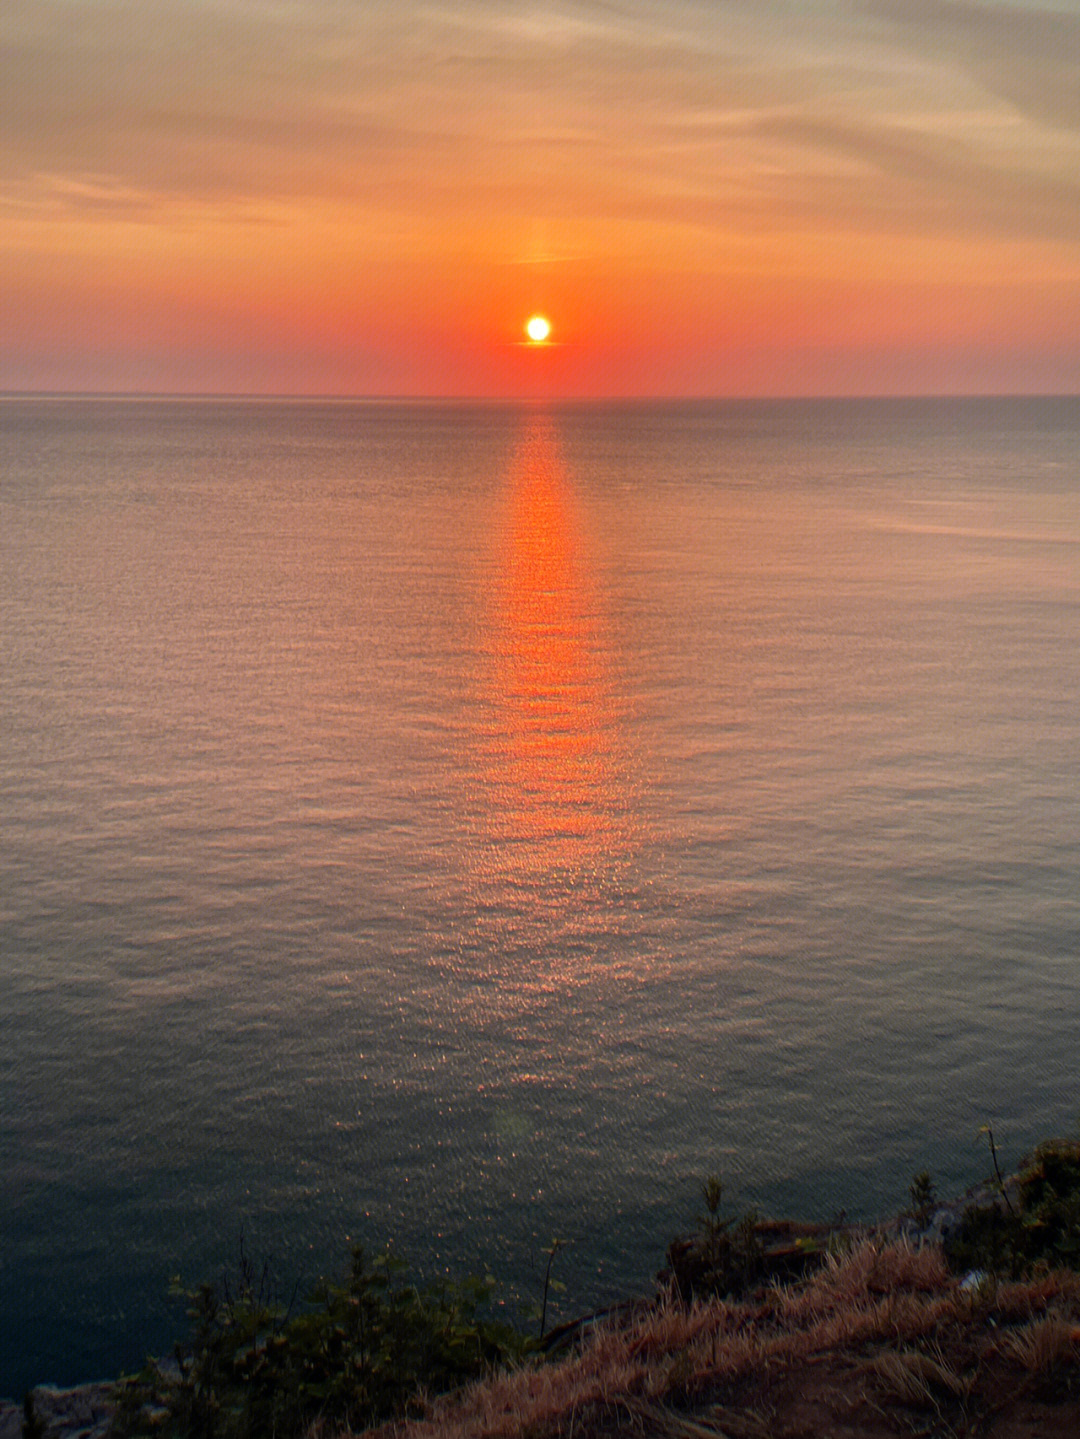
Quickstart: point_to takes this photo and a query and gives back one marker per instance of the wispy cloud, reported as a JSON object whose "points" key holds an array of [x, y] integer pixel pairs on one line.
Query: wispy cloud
{"points": [[1026, 54], [902, 178]]}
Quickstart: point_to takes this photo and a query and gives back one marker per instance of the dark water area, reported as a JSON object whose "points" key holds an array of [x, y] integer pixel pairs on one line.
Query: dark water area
{"points": [[466, 825]]}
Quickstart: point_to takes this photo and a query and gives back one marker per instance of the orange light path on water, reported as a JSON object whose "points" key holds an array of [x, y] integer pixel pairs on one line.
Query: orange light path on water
{"points": [[557, 795]]}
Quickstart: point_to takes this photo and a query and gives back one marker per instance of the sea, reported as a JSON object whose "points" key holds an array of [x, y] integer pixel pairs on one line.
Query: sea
{"points": [[464, 826]]}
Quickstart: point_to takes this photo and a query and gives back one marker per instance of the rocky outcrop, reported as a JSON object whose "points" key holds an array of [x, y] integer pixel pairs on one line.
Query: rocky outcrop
{"points": [[783, 1249], [766, 1249], [944, 1221], [84, 1412]]}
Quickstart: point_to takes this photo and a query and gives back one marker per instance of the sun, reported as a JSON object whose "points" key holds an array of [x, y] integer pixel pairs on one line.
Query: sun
{"points": [[538, 329]]}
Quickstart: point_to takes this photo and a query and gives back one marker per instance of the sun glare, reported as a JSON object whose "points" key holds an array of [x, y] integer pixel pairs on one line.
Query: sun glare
{"points": [[537, 329]]}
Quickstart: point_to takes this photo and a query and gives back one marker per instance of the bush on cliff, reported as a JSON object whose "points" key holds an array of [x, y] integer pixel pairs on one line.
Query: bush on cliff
{"points": [[358, 1352]]}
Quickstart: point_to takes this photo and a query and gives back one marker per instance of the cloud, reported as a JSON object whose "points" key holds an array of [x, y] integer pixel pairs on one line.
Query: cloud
{"points": [[905, 178], [712, 114], [1028, 55], [410, 107]]}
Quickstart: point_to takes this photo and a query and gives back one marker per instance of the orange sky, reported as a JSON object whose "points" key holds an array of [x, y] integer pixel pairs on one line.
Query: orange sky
{"points": [[258, 196]]}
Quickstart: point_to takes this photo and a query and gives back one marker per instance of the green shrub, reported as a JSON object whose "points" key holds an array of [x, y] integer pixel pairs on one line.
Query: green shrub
{"points": [[923, 1195], [358, 1352], [1041, 1232], [1050, 1203]]}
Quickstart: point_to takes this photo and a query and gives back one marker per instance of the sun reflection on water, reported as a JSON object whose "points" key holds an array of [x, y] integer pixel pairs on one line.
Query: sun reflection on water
{"points": [[555, 801]]}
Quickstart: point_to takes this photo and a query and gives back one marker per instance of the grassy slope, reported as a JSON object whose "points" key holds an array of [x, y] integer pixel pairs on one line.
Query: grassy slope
{"points": [[881, 1341]]}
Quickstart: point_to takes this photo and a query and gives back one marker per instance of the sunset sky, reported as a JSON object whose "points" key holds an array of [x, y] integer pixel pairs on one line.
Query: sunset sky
{"points": [[705, 197]]}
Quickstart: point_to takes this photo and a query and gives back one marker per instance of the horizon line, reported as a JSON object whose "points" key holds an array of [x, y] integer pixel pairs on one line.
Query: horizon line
{"points": [[304, 397]]}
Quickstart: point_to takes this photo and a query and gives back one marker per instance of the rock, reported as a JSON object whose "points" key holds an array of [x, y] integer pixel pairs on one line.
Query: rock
{"points": [[974, 1280], [84, 1412], [783, 1249], [773, 1249], [11, 1420]]}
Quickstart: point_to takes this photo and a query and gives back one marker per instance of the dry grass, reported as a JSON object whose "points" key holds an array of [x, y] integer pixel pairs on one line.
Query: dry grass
{"points": [[1043, 1344], [879, 1312], [915, 1378]]}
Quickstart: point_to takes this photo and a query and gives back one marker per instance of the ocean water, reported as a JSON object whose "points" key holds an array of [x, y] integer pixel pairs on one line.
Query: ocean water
{"points": [[468, 825]]}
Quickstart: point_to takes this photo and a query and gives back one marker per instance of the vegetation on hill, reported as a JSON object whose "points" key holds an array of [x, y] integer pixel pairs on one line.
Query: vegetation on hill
{"points": [[878, 1342], [355, 1352], [960, 1331]]}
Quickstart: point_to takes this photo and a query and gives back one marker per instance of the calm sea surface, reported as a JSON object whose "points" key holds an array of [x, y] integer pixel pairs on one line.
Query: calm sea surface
{"points": [[469, 825]]}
